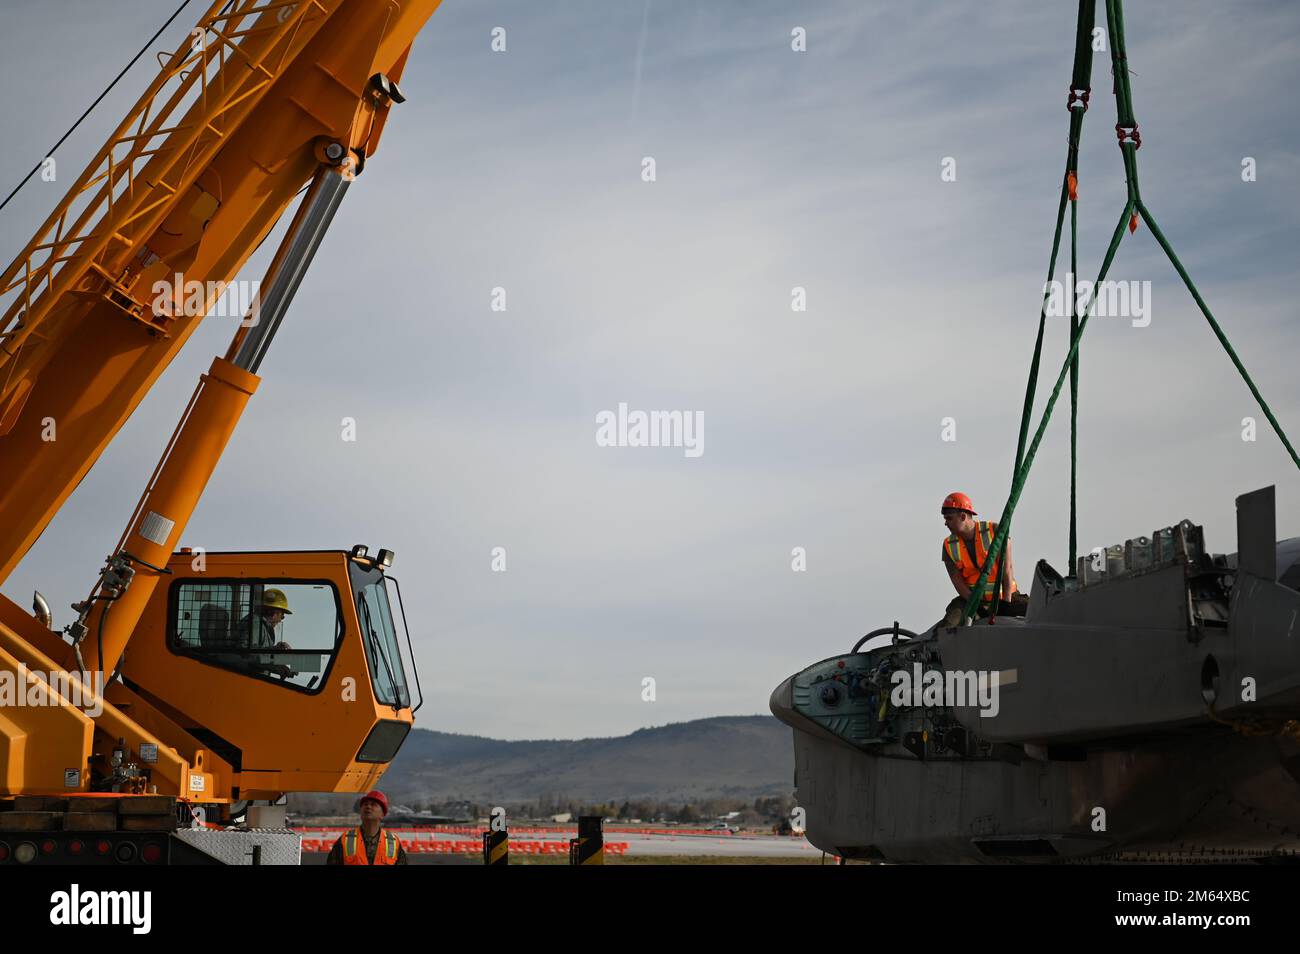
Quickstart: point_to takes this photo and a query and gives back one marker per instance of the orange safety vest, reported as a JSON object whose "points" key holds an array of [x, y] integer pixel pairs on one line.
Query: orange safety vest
{"points": [[960, 556], [354, 849]]}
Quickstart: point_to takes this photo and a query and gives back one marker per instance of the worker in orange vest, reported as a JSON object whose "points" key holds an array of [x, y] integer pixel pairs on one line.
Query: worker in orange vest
{"points": [[370, 844], [964, 550]]}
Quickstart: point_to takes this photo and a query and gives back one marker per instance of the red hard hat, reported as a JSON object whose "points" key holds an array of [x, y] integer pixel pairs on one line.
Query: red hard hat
{"points": [[957, 501], [378, 798]]}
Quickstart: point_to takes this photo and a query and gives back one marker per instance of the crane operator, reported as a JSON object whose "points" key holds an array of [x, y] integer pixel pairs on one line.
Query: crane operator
{"points": [[261, 627], [260, 630]]}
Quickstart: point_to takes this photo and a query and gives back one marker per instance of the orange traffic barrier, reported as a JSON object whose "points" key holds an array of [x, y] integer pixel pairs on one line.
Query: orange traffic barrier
{"points": [[467, 846]]}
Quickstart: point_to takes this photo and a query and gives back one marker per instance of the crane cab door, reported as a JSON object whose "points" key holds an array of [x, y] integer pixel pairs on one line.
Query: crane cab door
{"points": [[286, 664]]}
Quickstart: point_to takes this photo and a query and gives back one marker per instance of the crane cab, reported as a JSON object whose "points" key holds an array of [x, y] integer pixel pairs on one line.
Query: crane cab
{"points": [[287, 665]]}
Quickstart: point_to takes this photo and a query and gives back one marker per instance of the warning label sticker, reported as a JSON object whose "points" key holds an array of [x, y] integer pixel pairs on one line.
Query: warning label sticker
{"points": [[156, 528]]}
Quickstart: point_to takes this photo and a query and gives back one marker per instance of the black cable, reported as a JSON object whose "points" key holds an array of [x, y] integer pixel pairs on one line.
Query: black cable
{"points": [[144, 49]]}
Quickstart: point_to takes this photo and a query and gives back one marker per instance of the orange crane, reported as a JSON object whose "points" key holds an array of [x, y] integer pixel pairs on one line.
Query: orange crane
{"points": [[218, 703]]}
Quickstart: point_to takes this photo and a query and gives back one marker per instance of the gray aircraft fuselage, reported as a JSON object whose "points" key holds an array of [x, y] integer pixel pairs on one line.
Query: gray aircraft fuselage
{"points": [[1142, 714]]}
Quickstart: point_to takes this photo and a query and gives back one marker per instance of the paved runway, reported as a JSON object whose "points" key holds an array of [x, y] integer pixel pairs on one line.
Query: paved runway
{"points": [[751, 846], [638, 845]]}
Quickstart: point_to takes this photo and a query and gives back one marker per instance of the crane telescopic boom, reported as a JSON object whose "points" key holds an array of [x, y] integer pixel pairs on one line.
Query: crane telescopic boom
{"points": [[264, 101]]}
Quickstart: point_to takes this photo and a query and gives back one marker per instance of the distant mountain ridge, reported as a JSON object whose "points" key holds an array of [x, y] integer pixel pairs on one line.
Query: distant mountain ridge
{"points": [[720, 757]]}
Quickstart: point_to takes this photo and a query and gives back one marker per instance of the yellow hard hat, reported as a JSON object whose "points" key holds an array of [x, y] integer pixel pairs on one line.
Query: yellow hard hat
{"points": [[275, 599]]}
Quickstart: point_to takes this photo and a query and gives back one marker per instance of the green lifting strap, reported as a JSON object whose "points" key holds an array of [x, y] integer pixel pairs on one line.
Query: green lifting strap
{"points": [[1081, 89], [1129, 141], [1077, 104]]}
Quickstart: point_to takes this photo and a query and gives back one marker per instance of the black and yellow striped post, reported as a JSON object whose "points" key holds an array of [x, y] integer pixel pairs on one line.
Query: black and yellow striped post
{"points": [[496, 847], [589, 847]]}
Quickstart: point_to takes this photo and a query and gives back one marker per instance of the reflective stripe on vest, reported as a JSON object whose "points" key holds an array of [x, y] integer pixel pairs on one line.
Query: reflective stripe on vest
{"points": [[354, 849], [960, 557]]}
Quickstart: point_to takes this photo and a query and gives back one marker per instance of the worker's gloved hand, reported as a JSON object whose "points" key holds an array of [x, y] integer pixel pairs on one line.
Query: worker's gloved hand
{"points": [[1018, 605], [283, 646]]}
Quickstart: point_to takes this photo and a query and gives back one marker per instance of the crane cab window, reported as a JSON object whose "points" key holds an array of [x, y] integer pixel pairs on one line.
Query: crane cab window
{"points": [[286, 632], [380, 636]]}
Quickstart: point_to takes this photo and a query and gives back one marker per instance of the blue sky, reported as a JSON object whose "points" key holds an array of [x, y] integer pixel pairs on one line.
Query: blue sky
{"points": [[476, 429]]}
